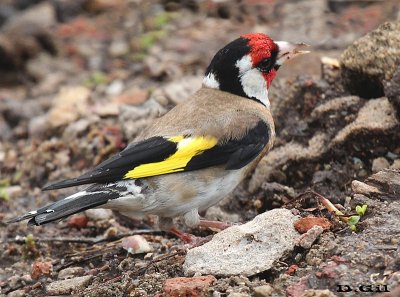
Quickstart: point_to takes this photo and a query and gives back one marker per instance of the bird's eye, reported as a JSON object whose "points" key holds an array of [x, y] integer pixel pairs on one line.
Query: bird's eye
{"points": [[265, 65]]}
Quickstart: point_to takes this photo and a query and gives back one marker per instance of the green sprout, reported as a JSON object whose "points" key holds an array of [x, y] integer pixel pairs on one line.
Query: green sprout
{"points": [[29, 247], [4, 184], [353, 220]]}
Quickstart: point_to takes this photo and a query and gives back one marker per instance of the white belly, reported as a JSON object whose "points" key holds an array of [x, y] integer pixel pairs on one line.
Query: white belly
{"points": [[166, 199]]}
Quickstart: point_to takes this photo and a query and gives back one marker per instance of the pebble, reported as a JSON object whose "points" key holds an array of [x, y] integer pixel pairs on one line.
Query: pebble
{"points": [[17, 293], [318, 293], [118, 48], [246, 249], [69, 103], [70, 272], [305, 224], [263, 291], [307, 239], [98, 214], [396, 164], [379, 164], [188, 286], [136, 244], [64, 287], [115, 88]]}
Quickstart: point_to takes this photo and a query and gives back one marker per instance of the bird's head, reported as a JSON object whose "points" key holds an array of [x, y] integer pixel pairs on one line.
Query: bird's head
{"points": [[247, 66]]}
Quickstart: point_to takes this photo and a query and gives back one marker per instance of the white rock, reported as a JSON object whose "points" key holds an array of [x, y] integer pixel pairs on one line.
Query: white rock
{"points": [[246, 249], [98, 214], [115, 88], [136, 244]]}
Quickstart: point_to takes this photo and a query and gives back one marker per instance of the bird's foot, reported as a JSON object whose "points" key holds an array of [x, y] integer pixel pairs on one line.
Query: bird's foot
{"points": [[190, 239], [215, 224]]}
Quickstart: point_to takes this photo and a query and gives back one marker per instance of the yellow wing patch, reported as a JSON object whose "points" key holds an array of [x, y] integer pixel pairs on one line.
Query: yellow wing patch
{"points": [[187, 148]]}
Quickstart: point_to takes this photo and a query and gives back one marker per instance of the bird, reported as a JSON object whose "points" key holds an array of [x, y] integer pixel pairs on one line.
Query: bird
{"points": [[197, 153]]}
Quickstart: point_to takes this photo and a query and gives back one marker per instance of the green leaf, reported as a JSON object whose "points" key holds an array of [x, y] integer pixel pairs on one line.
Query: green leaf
{"points": [[353, 220], [353, 228], [361, 209], [4, 194]]}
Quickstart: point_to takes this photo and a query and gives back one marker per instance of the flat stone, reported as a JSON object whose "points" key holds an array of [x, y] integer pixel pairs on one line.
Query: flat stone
{"points": [[70, 272], [263, 291], [188, 286], [246, 249], [64, 287]]}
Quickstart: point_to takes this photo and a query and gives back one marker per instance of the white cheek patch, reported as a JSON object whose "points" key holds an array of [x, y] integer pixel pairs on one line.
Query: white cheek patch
{"points": [[252, 80], [244, 64], [210, 81]]}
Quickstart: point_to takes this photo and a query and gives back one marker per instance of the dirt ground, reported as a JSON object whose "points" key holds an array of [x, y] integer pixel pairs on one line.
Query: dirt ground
{"points": [[79, 79]]}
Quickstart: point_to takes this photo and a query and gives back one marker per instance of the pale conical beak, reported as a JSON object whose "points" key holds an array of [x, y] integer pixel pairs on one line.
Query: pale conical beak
{"points": [[289, 50]]}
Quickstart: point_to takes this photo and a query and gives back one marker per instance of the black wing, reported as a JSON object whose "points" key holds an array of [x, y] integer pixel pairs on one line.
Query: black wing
{"points": [[157, 151]]}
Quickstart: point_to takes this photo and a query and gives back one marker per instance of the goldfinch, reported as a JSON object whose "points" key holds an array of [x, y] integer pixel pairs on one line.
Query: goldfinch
{"points": [[196, 154]]}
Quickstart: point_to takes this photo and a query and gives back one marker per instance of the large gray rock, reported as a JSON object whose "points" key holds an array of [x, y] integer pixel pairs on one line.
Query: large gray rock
{"points": [[246, 249], [392, 90], [371, 60]]}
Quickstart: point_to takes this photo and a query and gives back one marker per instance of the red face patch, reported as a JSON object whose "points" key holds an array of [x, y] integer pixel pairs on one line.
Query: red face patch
{"points": [[261, 48]]}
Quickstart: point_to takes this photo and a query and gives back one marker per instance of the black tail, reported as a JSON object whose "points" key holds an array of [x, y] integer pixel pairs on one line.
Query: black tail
{"points": [[93, 196]]}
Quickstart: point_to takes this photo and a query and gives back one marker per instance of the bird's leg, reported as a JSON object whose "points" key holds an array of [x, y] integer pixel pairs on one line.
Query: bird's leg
{"points": [[214, 224], [190, 239]]}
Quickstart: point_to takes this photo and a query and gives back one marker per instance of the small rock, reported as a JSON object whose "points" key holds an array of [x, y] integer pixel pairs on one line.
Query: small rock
{"points": [[292, 269], [64, 287], [42, 15], [118, 48], [305, 224], [69, 103], [104, 5], [75, 129], [238, 294], [17, 293], [247, 249], [38, 126], [98, 214], [263, 291], [379, 164], [133, 96], [115, 88], [111, 232], [78, 221], [216, 213], [307, 239], [396, 164], [295, 290], [107, 109], [41, 268], [70, 272], [371, 60], [188, 286], [136, 244], [318, 293]]}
